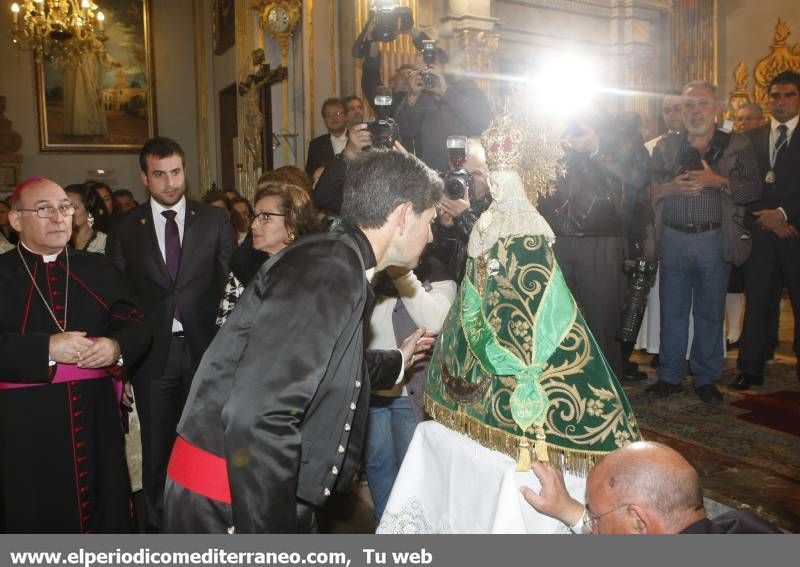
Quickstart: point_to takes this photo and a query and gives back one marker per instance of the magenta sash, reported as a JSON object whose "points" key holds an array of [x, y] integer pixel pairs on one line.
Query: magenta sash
{"points": [[64, 373]]}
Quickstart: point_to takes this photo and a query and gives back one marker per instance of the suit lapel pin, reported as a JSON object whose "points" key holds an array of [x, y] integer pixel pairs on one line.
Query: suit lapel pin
{"points": [[142, 221], [193, 213]]}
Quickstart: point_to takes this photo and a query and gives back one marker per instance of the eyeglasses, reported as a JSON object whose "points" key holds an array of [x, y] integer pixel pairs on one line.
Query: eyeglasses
{"points": [[264, 217], [47, 211], [592, 521], [334, 114]]}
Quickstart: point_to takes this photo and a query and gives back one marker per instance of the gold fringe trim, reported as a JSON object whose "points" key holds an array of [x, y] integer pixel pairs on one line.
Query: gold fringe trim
{"points": [[524, 458], [573, 461]]}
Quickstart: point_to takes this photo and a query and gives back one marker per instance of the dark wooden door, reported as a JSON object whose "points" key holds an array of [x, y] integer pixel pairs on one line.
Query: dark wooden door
{"points": [[266, 138], [228, 129]]}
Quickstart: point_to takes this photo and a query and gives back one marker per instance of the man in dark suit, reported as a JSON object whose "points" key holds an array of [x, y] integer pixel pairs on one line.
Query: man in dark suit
{"points": [[322, 148], [277, 413], [175, 253], [775, 224]]}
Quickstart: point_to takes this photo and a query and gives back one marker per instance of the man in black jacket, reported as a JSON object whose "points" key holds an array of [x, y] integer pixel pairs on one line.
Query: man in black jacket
{"points": [[276, 417], [457, 217], [452, 107], [323, 148], [607, 172], [775, 224], [175, 254]]}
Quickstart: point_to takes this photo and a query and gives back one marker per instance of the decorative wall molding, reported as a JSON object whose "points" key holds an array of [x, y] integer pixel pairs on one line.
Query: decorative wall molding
{"points": [[201, 96]]}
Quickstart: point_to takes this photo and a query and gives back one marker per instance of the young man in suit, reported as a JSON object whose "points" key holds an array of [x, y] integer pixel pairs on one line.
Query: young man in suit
{"points": [[175, 253], [323, 148], [775, 224]]}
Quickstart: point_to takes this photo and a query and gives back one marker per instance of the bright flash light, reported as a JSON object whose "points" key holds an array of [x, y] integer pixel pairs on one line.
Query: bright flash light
{"points": [[564, 84]]}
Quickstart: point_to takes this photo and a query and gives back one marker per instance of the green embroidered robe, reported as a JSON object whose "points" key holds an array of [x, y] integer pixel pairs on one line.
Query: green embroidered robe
{"points": [[515, 353]]}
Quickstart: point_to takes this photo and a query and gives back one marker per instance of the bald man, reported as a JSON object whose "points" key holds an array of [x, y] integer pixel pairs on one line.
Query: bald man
{"points": [[643, 488], [67, 323]]}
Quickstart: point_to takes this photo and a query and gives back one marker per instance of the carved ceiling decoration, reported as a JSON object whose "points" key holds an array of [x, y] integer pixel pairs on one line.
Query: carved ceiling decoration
{"points": [[782, 57]]}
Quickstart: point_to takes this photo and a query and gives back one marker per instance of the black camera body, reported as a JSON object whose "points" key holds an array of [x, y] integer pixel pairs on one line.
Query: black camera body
{"points": [[457, 183], [384, 131], [390, 20], [429, 80], [641, 277]]}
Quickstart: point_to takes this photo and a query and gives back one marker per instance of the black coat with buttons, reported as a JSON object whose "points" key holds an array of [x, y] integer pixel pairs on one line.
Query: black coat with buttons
{"points": [[283, 391]]}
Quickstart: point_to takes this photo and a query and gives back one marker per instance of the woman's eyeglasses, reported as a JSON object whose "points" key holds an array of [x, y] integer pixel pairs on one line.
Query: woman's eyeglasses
{"points": [[264, 217]]}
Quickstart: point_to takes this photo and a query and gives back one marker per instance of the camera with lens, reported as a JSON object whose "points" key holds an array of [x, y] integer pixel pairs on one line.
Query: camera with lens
{"points": [[384, 129], [390, 20], [429, 80], [641, 277], [458, 182]]}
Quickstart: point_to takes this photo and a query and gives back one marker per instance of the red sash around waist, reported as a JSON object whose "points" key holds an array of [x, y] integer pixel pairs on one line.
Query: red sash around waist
{"points": [[64, 373], [199, 471]]}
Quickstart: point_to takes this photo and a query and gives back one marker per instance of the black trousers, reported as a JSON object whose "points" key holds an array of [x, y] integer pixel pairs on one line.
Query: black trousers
{"points": [[160, 412], [592, 268], [773, 259]]}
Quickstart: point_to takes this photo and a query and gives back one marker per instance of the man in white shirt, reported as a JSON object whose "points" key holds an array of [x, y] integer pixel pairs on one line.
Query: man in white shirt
{"points": [[175, 253], [323, 148], [775, 223]]}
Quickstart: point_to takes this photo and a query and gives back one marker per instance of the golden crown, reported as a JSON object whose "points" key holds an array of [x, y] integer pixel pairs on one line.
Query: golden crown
{"points": [[504, 143]]}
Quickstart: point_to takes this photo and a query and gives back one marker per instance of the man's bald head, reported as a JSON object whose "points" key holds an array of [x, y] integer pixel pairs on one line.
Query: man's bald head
{"points": [[42, 235], [653, 478]]}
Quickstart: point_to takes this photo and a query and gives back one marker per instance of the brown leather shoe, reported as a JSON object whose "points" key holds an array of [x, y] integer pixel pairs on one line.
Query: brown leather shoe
{"points": [[663, 389]]}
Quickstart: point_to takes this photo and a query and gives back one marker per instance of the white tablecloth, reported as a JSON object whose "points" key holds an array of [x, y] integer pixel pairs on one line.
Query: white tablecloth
{"points": [[450, 484]]}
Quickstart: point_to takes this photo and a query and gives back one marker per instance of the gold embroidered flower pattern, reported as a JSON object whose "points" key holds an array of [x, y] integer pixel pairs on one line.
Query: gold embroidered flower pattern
{"points": [[520, 327], [622, 438], [595, 408]]}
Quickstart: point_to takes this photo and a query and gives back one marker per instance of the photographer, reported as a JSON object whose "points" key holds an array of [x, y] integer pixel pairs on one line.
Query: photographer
{"points": [[457, 216], [444, 107], [328, 190], [591, 212]]}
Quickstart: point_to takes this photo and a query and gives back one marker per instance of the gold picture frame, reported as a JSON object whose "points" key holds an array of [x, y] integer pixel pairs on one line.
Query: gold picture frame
{"points": [[223, 25], [105, 103]]}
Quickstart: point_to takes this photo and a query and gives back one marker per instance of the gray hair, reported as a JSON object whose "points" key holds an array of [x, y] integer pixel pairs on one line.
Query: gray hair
{"points": [[700, 85], [752, 106]]}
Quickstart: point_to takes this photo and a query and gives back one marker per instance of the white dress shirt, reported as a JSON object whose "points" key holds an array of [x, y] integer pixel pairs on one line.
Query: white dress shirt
{"points": [[791, 125], [160, 224], [339, 143]]}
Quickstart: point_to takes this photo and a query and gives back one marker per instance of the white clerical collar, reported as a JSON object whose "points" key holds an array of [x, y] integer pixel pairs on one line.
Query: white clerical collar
{"points": [[790, 126], [179, 207], [370, 274], [47, 258]]}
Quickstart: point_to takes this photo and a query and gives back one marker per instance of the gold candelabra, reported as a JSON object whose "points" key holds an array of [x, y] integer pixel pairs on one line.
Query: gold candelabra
{"points": [[59, 31]]}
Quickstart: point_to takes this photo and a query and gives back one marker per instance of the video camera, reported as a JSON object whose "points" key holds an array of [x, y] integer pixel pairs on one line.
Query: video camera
{"points": [[390, 20], [458, 181], [384, 129]]}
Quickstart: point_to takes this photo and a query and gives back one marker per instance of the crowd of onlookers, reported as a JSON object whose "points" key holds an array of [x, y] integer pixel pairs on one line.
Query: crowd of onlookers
{"points": [[719, 210]]}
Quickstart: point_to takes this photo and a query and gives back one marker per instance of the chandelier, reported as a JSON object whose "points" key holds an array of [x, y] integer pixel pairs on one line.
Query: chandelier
{"points": [[58, 31]]}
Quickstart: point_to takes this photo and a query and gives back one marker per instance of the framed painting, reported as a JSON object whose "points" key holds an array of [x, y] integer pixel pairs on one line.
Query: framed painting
{"points": [[224, 25], [104, 102]]}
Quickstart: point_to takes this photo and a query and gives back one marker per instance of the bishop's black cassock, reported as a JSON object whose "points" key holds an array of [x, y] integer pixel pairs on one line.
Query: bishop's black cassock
{"points": [[62, 461]]}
